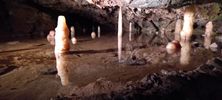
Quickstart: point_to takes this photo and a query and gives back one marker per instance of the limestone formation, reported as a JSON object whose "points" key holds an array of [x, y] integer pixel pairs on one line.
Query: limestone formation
{"points": [[186, 34]]}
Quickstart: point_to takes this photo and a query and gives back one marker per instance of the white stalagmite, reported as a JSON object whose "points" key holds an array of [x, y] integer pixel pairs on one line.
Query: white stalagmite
{"points": [[187, 30], [99, 31], [72, 29], [51, 37], [130, 31], [178, 28], [61, 36], [208, 34], [120, 32], [173, 47], [61, 47], [73, 38], [186, 34], [93, 35]]}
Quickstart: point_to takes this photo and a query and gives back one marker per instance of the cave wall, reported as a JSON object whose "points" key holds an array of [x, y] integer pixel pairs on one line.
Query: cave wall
{"points": [[22, 20], [4, 18], [25, 18]]}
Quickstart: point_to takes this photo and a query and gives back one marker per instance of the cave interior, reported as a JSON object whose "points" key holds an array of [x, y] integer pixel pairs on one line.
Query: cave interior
{"points": [[152, 63]]}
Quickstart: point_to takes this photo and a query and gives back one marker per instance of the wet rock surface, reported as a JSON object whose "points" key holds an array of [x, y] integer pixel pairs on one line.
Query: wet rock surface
{"points": [[202, 83], [95, 72], [49, 71], [6, 69]]}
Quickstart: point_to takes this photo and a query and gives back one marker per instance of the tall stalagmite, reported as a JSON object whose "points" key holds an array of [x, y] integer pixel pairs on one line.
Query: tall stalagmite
{"points": [[62, 47], [61, 36], [130, 31], [72, 29], [185, 35], [73, 38], [99, 31], [208, 34], [120, 32]]}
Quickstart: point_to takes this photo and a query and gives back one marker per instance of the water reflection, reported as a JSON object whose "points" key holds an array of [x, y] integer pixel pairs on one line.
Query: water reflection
{"points": [[185, 53], [62, 68]]}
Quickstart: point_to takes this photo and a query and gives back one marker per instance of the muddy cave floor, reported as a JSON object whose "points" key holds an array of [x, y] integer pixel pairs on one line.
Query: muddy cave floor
{"points": [[28, 64]]}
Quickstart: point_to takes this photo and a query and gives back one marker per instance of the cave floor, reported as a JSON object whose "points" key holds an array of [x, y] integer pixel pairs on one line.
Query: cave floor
{"points": [[27, 62]]}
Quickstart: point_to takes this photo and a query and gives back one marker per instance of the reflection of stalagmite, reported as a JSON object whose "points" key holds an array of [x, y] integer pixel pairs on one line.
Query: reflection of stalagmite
{"points": [[120, 32], [208, 34], [186, 34], [178, 28], [62, 67], [61, 47], [99, 31], [185, 53], [130, 31]]}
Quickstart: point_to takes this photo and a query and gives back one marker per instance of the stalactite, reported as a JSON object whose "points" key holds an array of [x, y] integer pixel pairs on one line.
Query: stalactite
{"points": [[62, 47], [178, 28], [99, 31], [208, 34], [186, 34], [130, 31], [120, 32]]}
